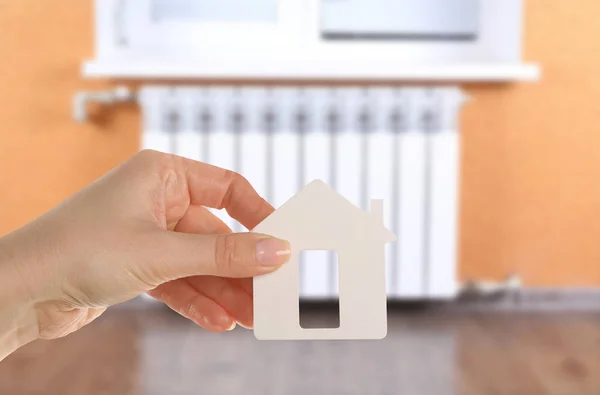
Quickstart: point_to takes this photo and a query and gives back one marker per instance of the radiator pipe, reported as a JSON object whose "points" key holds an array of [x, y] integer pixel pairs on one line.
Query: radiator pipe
{"points": [[119, 94]]}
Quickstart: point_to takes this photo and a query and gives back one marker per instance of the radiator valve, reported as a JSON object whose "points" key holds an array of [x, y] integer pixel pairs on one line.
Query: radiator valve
{"points": [[488, 288]]}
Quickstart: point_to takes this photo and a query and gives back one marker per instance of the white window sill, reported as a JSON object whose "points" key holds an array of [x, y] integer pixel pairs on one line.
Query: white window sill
{"points": [[311, 69]]}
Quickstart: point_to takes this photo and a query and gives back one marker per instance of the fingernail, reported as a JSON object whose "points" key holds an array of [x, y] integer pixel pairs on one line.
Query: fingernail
{"points": [[232, 327], [272, 252], [224, 321]]}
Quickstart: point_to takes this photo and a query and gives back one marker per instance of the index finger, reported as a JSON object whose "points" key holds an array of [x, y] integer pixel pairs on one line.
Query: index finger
{"points": [[219, 188]]}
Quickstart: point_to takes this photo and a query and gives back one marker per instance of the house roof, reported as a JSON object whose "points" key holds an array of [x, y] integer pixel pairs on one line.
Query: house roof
{"points": [[318, 198]]}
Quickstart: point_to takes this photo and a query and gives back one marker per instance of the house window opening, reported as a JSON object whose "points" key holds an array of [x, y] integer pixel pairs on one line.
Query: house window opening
{"points": [[325, 314]]}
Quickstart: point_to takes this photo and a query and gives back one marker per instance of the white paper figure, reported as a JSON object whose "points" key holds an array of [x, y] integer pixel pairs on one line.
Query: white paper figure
{"points": [[319, 218]]}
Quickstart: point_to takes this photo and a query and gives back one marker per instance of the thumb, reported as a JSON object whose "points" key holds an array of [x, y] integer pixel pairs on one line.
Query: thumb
{"points": [[234, 255]]}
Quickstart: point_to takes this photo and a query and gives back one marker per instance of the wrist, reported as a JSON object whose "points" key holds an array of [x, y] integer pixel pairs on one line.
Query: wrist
{"points": [[18, 323]]}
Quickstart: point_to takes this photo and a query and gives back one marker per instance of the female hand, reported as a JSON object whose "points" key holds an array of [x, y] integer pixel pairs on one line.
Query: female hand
{"points": [[141, 228]]}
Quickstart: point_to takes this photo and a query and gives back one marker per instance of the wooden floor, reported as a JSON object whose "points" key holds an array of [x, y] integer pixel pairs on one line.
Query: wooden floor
{"points": [[154, 352]]}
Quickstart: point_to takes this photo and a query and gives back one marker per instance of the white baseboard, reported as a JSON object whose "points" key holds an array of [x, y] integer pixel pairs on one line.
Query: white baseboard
{"points": [[536, 299], [524, 300]]}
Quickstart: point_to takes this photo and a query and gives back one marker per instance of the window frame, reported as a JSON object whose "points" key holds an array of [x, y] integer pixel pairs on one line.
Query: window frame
{"points": [[295, 39]]}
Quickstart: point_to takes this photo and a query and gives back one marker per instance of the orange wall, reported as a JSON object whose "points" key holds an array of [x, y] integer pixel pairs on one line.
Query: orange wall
{"points": [[531, 152]]}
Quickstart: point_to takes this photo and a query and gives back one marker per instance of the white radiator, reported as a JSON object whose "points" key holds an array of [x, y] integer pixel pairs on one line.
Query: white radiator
{"points": [[401, 145]]}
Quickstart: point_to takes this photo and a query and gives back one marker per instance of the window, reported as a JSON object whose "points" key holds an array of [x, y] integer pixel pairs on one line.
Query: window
{"points": [[407, 20], [260, 11], [306, 38]]}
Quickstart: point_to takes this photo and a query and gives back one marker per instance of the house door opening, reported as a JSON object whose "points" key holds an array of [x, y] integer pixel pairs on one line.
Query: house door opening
{"points": [[325, 265]]}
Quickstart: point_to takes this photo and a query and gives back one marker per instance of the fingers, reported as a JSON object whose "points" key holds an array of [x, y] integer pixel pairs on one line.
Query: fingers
{"points": [[235, 255], [246, 284], [211, 186], [228, 295], [219, 188], [200, 220], [184, 299], [235, 297]]}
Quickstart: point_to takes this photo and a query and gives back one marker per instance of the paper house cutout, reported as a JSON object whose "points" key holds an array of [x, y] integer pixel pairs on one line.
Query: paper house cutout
{"points": [[319, 218]]}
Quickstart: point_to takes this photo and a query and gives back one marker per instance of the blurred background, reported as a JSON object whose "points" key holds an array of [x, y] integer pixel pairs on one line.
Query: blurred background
{"points": [[475, 120]]}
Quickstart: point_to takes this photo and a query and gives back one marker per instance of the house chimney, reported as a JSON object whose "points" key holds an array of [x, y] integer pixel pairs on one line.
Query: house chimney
{"points": [[377, 209]]}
